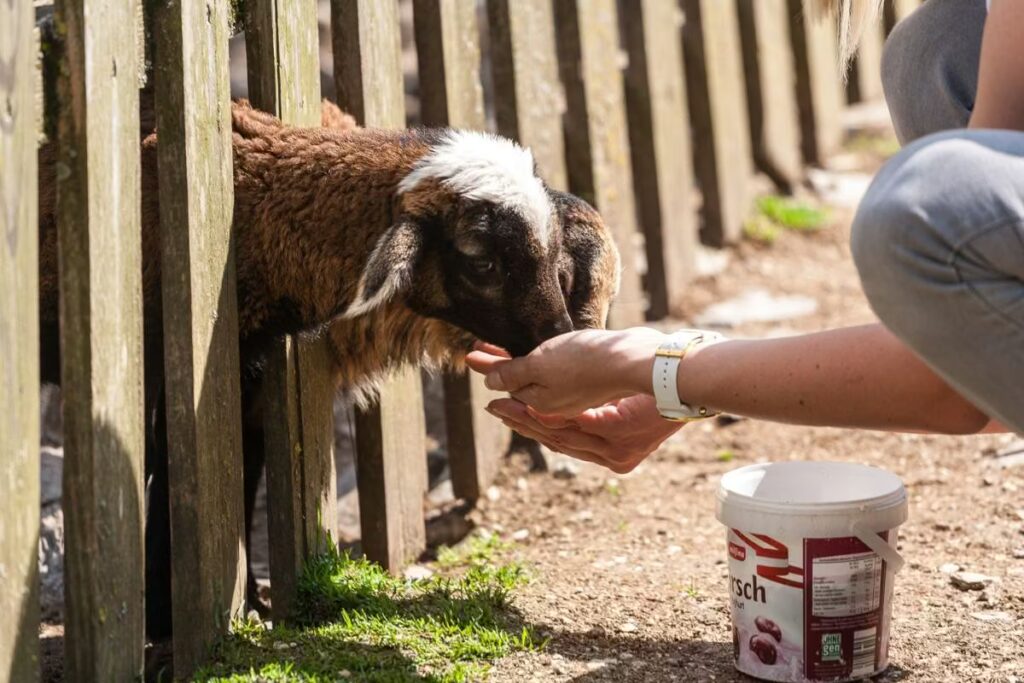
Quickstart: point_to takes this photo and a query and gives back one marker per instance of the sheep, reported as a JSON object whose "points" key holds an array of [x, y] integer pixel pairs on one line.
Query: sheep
{"points": [[401, 246]]}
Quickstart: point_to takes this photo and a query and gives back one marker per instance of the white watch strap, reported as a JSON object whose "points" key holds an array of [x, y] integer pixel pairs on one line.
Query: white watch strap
{"points": [[666, 394], [664, 375]]}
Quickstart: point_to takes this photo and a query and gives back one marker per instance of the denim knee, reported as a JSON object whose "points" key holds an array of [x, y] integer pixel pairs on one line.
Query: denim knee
{"points": [[930, 67]]}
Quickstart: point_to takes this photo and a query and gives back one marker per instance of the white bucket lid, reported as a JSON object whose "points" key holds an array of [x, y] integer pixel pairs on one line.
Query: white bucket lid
{"points": [[811, 499]]}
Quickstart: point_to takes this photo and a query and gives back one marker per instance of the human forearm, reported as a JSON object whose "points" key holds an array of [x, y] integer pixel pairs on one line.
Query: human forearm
{"points": [[1000, 98], [850, 377]]}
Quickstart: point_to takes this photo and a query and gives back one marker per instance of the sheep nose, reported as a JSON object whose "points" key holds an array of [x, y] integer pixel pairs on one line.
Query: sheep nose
{"points": [[555, 327]]}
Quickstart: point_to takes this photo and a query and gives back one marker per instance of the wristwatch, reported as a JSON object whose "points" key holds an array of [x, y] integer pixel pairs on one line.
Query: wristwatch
{"points": [[666, 364]]}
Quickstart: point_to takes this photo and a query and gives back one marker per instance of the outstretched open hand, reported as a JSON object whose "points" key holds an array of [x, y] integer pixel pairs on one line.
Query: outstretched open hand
{"points": [[618, 435]]}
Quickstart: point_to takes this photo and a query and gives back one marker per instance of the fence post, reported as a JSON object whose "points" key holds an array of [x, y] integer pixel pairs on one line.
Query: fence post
{"points": [[284, 79], [98, 216], [718, 111], [597, 147], [819, 90], [19, 348], [659, 140], [447, 44], [864, 82], [895, 11], [391, 463], [200, 322], [771, 90], [528, 97]]}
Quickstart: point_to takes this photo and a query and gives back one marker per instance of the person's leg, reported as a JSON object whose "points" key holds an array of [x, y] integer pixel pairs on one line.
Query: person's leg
{"points": [[939, 243], [930, 67]]}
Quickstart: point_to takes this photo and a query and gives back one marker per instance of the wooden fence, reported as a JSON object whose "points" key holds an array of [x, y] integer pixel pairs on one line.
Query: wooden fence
{"points": [[657, 111]]}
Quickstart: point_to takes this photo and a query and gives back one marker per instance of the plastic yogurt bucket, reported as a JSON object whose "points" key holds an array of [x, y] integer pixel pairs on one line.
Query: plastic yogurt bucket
{"points": [[812, 560]]}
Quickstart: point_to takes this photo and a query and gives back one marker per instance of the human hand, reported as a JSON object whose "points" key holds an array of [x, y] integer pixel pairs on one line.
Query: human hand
{"points": [[573, 372], [619, 435]]}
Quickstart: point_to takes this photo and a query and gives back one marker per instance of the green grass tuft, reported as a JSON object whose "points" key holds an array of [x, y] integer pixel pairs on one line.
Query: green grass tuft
{"points": [[776, 214], [360, 623], [792, 214], [478, 550]]}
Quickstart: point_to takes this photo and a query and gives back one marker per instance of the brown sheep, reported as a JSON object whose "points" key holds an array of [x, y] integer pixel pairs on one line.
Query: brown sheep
{"points": [[402, 246]]}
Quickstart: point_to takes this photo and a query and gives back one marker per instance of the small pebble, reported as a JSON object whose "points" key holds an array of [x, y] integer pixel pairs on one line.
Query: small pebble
{"points": [[565, 469], [949, 568], [970, 581], [993, 617], [521, 483], [520, 535], [493, 493], [1018, 553], [628, 627], [417, 572]]}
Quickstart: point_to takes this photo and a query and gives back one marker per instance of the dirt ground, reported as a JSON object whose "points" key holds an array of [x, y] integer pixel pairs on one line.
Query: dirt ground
{"points": [[630, 573]]}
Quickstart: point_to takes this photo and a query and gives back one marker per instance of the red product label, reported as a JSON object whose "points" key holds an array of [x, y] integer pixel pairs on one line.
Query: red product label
{"points": [[844, 608], [737, 551]]}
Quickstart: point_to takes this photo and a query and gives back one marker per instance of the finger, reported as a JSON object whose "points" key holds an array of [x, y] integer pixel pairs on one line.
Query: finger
{"points": [[491, 349], [507, 407], [550, 421], [483, 361], [568, 438], [512, 375]]}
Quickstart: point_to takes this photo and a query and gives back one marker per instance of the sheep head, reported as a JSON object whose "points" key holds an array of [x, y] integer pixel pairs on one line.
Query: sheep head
{"points": [[480, 242]]}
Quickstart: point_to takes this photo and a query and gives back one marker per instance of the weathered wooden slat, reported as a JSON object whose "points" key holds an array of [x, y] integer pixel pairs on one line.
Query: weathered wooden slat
{"points": [[200, 318], [317, 390], [19, 349], [447, 44], [819, 91], [282, 438], [597, 145], [284, 79], [528, 97], [895, 11], [771, 90], [391, 467], [864, 82], [718, 112], [101, 342], [659, 141]]}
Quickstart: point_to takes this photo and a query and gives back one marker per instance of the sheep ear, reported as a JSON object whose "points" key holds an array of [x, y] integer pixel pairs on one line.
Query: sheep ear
{"points": [[390, 268]]}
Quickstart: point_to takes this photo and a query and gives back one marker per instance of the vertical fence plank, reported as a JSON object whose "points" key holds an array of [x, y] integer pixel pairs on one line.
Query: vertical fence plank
{"points": [[528, 97], [718, 111], [200, 319], [447, 45], [819, 91], [19, 348], [101, 333], [864, 82], [659, 140], [391, 464], [284, 79], [771, 88], [597, 147], [895, 11]]}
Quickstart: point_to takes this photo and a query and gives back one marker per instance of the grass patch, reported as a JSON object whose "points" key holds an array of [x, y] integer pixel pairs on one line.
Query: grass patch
{"points": [[725, 455], [360, 623], [776, 214], [875, 144], [477, 551]]}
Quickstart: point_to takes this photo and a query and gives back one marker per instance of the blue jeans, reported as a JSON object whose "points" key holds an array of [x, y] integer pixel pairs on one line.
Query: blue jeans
{"points": [[939, 238]]}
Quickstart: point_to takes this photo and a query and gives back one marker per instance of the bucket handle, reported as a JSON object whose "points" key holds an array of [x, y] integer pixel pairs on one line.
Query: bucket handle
{"points": [[888, 553]]}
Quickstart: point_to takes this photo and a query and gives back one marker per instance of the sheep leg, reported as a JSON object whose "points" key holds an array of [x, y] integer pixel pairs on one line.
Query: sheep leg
{"points": [[253, 459], [158, 526]]}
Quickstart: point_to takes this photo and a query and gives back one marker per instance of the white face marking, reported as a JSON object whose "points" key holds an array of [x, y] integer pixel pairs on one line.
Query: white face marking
{"points": [[484, 167]]}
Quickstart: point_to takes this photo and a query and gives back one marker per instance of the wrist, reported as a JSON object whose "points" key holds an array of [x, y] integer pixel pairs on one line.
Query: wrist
{"points": [[638, 359]]}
